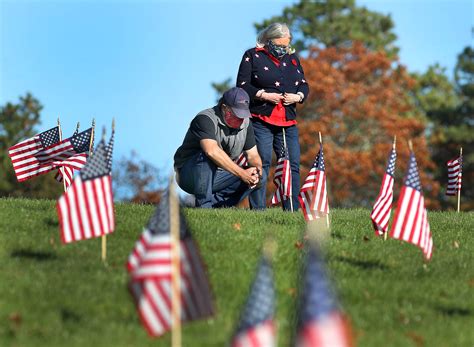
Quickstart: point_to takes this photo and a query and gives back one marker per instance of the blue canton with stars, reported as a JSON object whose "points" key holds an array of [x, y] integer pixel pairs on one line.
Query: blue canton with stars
{"points": [[81, 142], [159, 222], [49, 137], [96, 166], [283, 153], [260, 304], [109, 150], [412, 178], [319, 161], [391, 163], [317, 300]]}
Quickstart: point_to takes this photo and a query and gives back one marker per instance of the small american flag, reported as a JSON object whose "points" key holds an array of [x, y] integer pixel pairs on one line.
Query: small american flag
{"points": [[256, 327], [454, 176], [241, 160], [49, 157], [150, 266], [282, 177], [321, 324], [411, 221], [23, 154], [313, 195], [86, 210], [75, 162], [383, 205]]}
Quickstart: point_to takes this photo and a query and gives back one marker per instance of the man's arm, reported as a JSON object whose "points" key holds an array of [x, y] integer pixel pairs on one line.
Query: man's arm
{"points": [[218, 156], [254, 159]]}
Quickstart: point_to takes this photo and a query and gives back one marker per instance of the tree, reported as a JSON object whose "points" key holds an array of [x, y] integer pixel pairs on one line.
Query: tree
{"points": [[336, 23], [359, 100], [18, 122], [136, 180]]}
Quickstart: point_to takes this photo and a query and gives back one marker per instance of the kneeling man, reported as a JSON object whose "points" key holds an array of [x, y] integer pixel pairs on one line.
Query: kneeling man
{"points": [[217, 136]]}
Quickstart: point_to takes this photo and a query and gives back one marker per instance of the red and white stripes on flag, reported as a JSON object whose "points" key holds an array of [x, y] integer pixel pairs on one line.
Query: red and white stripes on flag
{"points": [[313, 195], [150, 267], [454, 176], [86, 210], [262, 335], [282, 178], [24, 154], [383, 205], [241, 160], [411, 221], [66, 170]]}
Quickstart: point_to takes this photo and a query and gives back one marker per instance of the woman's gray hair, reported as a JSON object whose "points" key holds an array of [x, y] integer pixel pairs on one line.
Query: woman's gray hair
{"points": [[273, 31]]}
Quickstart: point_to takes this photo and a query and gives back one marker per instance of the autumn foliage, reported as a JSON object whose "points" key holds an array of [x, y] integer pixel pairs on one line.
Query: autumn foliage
{"points": [[359, 100]]}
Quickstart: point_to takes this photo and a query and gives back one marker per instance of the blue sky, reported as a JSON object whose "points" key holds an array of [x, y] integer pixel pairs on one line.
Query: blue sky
{"points": [[150, 64]]}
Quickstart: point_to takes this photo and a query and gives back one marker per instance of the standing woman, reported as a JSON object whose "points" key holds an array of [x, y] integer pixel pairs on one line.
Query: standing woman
{"points": [[273, 77]]}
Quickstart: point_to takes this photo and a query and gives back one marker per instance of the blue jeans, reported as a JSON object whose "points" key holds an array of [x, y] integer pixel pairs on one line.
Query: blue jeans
{"points": [[270, 137], [211, 185]]}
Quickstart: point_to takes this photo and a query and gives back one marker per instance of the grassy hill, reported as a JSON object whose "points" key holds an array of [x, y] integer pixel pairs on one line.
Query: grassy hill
{"points": [[56, 295]]}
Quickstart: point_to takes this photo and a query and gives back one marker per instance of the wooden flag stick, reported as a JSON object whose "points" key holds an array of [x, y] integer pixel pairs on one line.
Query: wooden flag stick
{"points": [[459, 186], [175, 261], [103, 237], [91, 145], [291, 191], [320, 144], [394, 146], [60, 139]]}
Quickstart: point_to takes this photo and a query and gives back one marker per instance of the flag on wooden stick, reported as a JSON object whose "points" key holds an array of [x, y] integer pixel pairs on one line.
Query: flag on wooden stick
{"points": [[73, 163], [24, 154], [313, 195], [411, 219], [454, 176], [257, 327], [86, 210], [383, 205], [282, 177], [321, 323], [150, 267]]}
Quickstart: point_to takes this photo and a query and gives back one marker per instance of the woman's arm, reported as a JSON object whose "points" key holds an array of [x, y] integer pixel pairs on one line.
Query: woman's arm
{"points": [[244, 76]]}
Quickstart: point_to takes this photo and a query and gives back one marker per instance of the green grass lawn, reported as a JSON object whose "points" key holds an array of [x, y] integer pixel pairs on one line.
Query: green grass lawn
{"points": [[56, 295]]}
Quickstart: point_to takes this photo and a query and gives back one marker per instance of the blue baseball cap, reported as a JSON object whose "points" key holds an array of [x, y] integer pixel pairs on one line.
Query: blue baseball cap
{"points": [[238, 100]]}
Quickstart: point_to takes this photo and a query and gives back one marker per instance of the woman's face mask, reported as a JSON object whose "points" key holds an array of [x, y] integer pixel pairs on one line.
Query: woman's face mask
{"points": [[278, 51]]}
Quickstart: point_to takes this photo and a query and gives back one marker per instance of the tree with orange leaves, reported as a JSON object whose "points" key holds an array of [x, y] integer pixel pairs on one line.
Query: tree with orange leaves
{"points": [[359, 100]]}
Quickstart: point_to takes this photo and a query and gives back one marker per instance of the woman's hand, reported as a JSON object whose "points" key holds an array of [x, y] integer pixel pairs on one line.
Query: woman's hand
{"points": [[274, 98], [289, 98]]}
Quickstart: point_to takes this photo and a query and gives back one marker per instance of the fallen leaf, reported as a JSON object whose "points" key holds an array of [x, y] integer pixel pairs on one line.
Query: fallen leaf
{"points": [[291, 291], [299, 244], [456, 244], [417, 339], [15, 317], [471, 282], [366, 238], [237, 226]]}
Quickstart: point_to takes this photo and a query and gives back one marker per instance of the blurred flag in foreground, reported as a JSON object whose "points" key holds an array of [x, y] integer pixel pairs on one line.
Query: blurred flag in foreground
{"points": [[23, 154], [313, 195], [150, 267], [256, 327], [383, 205], [454, 176], [282, 177], [411, 220], [86, 210], [321, 324]]}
